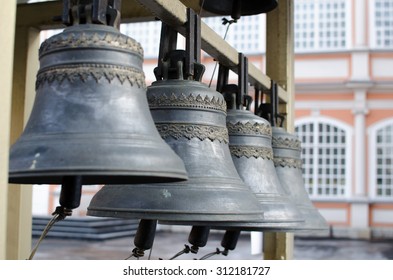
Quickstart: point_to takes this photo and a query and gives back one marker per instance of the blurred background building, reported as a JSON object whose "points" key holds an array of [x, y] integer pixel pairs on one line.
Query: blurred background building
{"points": [[343, 105]]}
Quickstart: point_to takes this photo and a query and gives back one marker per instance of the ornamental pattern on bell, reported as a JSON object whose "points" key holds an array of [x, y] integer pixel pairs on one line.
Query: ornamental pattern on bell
{"points": [[249, 128], [189, 131], [279, 142], [287, 162], [98, 72], [249, 151], [189, 101]]}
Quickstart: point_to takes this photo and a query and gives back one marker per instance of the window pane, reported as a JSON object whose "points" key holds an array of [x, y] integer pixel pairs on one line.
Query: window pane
{"points": [[383, 172], [328, 166]]}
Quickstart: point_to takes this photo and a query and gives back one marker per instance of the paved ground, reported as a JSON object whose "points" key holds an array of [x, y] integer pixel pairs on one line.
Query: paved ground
{"points": [[167, 244]]}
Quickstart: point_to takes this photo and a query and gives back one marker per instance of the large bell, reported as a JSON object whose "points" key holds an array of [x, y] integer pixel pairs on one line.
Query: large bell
{"points": [[286, 153], [238, 8], [90, 118], [192, 119], [250, 143]]}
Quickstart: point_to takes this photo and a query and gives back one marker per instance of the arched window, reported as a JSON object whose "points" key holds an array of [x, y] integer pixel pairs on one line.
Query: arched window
{"points": [[381, 160], [326, 154]]}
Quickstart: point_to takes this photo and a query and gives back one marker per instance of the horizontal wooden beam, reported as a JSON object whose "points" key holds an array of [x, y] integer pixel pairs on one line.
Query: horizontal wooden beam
{"points": [[173, 13]]}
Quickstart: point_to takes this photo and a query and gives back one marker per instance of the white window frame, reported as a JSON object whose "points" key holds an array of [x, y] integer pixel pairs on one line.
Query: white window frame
{"points": [[373, 30], [235, 32], [348, 130], [372, 140], [348, 30]]}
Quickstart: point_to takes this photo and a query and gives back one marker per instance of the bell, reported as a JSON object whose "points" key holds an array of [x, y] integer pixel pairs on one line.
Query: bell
{"points": [[90, 118], [286, 157], [250, 139], [238, 8], [191, 118]]}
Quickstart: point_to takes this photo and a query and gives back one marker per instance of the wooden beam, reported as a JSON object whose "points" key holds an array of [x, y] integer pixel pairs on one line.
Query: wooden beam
{"points": [[171, 12], [19, 220], [7, 23], [279, 66], [41, 14], [174, 14], [280, 53]]}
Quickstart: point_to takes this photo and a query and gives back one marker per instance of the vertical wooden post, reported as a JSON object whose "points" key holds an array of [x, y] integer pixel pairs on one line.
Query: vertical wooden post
{"points": [[19, 220], [7, 25], [280, 67]]}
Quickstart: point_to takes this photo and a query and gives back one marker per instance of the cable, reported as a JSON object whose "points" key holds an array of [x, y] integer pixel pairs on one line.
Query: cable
{"points": [[60, 214], [224, 22], [151, 250], [217, 252], [186, 250]]}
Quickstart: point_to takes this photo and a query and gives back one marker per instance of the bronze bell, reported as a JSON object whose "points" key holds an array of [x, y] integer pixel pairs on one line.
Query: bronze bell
{"points": [[286, 153], [191, 118], [90, 121], [250, 143], [238, 8]]}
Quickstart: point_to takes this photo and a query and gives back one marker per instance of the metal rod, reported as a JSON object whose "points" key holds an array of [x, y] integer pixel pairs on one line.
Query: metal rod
{"points": [[174, 13]]}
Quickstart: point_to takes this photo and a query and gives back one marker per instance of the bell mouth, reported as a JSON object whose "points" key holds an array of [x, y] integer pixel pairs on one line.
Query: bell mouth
{"points": [[191, 202], [237, 8]]}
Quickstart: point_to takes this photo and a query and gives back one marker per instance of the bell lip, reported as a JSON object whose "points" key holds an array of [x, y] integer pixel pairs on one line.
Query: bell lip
{"points": [[295, 227], [217, 9], [173, 216], [179, 202], [268, 226], [95, 177]]}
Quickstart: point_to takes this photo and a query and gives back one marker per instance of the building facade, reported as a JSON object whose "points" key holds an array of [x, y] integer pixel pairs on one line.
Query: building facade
{"points": [[343, 105]]}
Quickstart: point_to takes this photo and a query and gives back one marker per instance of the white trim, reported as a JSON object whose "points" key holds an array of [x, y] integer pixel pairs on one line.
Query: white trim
{"points": [[371, 133], [326, 119], [348, 146], [349, 27], [343, 105], [371, 25], [337, 105]]}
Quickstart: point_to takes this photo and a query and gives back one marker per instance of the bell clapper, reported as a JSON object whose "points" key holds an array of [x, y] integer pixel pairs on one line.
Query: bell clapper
{"points": [[70, 196], [144, 238], [229, 241], [198, 237]]}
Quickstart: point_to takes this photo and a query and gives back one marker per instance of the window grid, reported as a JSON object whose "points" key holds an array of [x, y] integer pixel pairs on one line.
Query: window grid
{"points": [[384, 158], [246, 35], [383, 23], [321, 24], [324, 150], [147, 34]]}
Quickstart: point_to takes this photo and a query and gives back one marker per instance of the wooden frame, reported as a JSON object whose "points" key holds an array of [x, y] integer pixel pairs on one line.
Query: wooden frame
{"points": [[15, 204]]}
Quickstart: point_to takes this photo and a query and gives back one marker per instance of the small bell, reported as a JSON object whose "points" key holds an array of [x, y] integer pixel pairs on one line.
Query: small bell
{"points": [[250, 143], [288, 163]]}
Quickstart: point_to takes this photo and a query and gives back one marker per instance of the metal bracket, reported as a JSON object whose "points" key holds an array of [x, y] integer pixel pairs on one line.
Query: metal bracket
{"points": [[242, 98], [192, 68], [106, 12], [270, 111]]}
